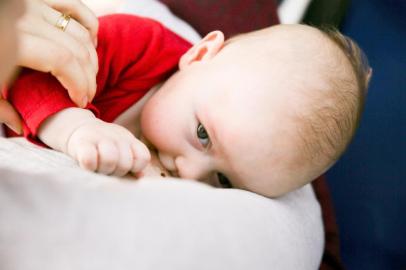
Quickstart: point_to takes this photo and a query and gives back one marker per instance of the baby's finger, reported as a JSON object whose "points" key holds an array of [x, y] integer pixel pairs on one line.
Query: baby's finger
{"points": [[87, 156], [49, 57], [108, 157], [125, 160], [141, 156], [80, 12]]}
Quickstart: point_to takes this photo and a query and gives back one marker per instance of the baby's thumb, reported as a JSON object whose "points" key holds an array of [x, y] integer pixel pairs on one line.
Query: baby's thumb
{"points": [[9, 116], [141, 156]]}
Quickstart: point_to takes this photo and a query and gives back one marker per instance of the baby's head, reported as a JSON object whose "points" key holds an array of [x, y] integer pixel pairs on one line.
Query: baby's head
{"points": [[267, 111]]}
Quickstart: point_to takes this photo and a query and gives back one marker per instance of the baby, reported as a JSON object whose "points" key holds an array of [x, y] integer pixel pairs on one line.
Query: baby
{"points": [[267, 111]]}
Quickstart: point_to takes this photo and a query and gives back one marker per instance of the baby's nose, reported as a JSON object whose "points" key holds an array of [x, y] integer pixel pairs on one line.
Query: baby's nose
{"points": [[190, 169]]}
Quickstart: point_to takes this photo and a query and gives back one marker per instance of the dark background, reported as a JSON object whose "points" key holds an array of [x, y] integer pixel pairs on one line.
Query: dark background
{"points": [[369, 183]]}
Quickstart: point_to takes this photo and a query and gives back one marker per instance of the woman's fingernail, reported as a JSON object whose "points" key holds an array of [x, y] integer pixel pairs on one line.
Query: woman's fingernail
{"points": [[84, 102], [17, 130]]}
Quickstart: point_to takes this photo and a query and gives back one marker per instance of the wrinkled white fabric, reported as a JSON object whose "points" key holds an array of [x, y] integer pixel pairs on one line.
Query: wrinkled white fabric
{"points": [[53, 215]]}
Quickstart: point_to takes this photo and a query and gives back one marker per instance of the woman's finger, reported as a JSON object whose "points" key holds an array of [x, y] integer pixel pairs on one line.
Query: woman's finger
{"points": [[43, 55], [81, 35], [9, 116], [83, 53], [75, 29], [80, 12]]}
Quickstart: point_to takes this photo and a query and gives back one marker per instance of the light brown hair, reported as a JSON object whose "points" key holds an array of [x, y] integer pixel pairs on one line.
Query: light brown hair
{"points": [[330, 127], [327, 128]]}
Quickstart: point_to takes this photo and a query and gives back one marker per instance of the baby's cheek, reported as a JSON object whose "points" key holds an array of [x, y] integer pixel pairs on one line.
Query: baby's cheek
{"points": [[154, 125], [149, 118]]}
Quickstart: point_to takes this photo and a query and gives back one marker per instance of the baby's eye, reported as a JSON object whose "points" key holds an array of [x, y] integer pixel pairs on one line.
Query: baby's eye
{"points": [[202, 135], [224, 182]]}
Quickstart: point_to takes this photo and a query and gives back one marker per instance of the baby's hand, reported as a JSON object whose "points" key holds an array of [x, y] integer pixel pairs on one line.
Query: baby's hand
{"points": [[154, 168], [107, 148]]}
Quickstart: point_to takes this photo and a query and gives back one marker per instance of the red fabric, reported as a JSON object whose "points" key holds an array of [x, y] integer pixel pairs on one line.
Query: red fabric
{"points": [[239, 16], [134, 54], [230, 16]]}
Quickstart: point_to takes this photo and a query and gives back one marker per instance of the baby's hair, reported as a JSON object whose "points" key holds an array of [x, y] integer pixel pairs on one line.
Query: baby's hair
{"points": [[330, 128], [329, 124], [355, 55]]}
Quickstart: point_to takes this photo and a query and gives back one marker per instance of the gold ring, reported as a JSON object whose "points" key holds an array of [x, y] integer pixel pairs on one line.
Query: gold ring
{"points": [[62, 22]]}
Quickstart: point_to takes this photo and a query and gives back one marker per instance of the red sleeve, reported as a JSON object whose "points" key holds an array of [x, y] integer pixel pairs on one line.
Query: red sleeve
{"points": [[137, 54], [134, 54], [36, 96]]}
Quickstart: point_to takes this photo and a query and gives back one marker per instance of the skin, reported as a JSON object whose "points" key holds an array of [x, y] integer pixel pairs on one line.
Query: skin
{"points": [[244, 95], [70, 56], [10, 12]]}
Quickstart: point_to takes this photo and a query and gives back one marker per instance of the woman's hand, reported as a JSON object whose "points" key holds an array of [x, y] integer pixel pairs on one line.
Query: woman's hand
{"points": [[69, 55], [9, 116]]}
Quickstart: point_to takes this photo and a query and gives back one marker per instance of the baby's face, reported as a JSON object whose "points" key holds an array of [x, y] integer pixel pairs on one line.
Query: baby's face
{"points": [[225, 115]]}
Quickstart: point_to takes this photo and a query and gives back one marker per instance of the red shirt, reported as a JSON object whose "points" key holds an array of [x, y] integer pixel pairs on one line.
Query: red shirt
{"points": [[134, 55]]}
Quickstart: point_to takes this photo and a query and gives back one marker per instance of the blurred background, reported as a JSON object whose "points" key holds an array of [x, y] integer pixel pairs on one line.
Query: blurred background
{"points": [[368, 184]]}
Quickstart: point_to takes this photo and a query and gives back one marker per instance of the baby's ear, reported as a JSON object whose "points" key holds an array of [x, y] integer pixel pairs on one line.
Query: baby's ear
{"points": [[204, 50]]}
